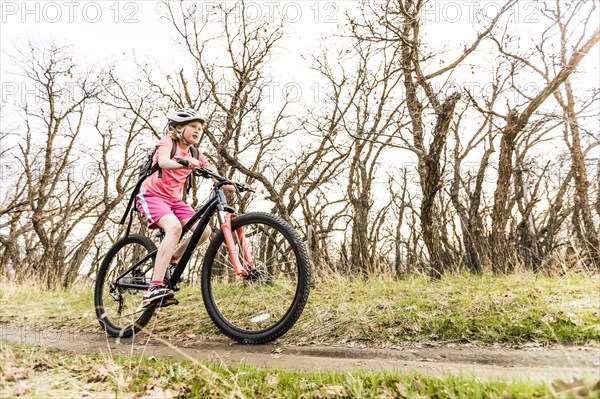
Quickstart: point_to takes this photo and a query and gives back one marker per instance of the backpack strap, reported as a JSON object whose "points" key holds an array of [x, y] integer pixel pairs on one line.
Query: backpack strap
{"points": [[135, 192], [194, 151], [173, 148], [130, 221]]}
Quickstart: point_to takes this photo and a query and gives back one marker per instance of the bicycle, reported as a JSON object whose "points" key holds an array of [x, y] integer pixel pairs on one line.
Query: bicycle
{"points": [[254, 279]]}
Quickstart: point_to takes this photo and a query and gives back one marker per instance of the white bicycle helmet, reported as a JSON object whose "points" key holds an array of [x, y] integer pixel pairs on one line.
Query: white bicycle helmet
{"points": [[181, 117], [184, 115]]}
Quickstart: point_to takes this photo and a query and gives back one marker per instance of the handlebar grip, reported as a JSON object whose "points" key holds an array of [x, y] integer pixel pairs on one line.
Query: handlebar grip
{"points": [[183, 162], [207, 173]]}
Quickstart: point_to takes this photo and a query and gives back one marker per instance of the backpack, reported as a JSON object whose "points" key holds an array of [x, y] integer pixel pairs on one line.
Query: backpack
{"points": [[146, 170]]}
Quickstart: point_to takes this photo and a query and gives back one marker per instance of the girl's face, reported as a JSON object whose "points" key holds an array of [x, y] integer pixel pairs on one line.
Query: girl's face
{"points": [[191, 131]]}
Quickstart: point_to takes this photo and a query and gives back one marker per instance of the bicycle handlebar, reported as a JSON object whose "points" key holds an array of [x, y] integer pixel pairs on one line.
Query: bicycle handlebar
{"points": [[221, 181]]}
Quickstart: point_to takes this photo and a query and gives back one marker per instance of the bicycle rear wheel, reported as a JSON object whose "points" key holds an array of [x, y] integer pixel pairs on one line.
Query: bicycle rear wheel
{"points": [[264, 306], [116, 305]]}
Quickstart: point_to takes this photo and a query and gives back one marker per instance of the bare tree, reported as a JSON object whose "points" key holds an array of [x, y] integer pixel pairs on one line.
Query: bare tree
{"points": [[52, 125], [105, 201], [468, 205], [366, 111], [586, 228], [516, 122], [398, 22], [68, 190]]}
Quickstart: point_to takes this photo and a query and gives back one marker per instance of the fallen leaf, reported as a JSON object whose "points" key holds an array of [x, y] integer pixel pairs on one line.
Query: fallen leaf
{"points": [[401, 390], [272, 379], [330, 391], [416, 383]]}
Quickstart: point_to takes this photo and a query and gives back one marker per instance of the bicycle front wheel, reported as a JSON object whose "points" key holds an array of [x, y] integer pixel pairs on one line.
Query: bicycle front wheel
{"points": [[115, 295], [265, 305]]}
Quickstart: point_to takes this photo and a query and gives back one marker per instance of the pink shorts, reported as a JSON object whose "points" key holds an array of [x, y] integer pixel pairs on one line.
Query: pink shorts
{"points": [[154, 207]]}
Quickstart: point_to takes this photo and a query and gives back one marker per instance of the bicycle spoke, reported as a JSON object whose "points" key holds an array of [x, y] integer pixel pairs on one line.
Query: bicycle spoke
{"points": [[263, 298], [116, 305]]}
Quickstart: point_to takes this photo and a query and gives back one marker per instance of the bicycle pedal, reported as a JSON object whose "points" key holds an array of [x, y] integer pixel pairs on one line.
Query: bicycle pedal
{"points": [[168, 302]]}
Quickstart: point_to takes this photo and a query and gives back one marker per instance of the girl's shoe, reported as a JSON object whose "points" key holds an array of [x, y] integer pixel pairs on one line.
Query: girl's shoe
{"points": [[154, 295]]}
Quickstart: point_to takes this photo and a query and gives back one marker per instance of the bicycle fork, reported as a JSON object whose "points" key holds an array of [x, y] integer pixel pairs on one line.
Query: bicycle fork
{"points": [[240, 270]]}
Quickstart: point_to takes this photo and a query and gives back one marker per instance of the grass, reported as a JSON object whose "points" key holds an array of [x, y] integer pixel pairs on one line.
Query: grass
{"points": [[484, 309], [38, 372]]}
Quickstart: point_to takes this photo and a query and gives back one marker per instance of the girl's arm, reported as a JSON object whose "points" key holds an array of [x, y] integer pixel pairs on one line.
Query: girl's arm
{"points": [[164, 159], [165, 162]]}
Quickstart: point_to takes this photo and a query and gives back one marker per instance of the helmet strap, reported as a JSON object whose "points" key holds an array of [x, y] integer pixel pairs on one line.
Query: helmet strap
{"points": [[181, 138]]}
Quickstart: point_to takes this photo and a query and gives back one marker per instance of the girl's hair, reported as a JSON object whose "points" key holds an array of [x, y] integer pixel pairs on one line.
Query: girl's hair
{"points": [[170, 130]]}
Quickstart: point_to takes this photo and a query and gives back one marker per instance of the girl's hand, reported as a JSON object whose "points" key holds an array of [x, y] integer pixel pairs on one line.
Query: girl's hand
{"points": [[229, 188], [192, 163]]}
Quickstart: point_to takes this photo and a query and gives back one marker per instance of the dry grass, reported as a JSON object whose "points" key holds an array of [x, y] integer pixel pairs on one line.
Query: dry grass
{"points": [[38, 372]]}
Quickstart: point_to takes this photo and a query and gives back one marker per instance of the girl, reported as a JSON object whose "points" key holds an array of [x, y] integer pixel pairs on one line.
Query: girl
{"points": [[159, 199]]}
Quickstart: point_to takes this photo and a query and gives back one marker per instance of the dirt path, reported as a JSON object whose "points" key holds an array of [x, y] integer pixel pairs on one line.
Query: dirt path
{"points": [[532, 362]]}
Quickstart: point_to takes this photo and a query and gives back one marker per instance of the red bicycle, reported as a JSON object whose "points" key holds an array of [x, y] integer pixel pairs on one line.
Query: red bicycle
{"points": [[255, 276]]}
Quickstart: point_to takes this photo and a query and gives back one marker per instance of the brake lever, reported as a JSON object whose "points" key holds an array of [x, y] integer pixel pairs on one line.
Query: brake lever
{"points": [[203, 172]]}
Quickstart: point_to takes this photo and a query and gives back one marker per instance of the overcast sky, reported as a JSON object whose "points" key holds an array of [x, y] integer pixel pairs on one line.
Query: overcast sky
{"points": [[112, 31], [108, 30]]}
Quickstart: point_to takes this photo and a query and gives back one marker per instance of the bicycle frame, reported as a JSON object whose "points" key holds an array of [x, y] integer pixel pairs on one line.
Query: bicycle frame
{"points": [[216, 204]]}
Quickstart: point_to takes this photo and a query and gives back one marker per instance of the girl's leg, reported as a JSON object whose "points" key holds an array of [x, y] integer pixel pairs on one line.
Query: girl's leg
{"points": [[181, 248], [172, 227]]}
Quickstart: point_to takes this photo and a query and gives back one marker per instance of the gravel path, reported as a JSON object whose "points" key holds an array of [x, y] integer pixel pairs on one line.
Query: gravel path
{"points": [[490, 362]]}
